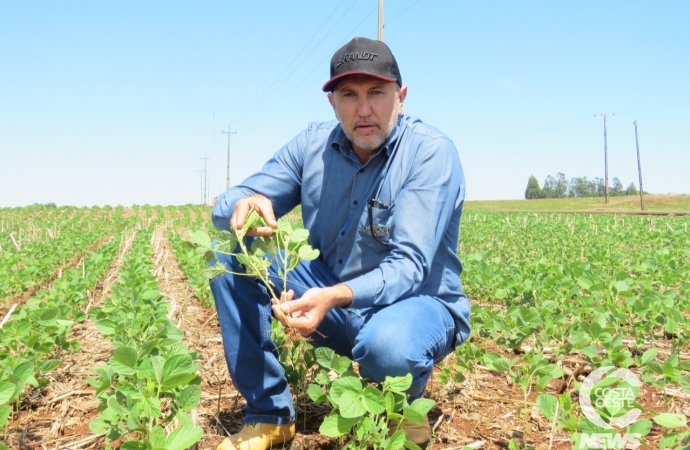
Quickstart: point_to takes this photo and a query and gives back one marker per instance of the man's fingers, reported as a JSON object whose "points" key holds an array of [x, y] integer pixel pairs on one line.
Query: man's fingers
{"points": [[239, 215], [265, 210], [260, 231], [263, 207]]}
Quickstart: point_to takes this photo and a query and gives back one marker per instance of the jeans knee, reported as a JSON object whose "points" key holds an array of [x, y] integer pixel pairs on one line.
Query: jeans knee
{"points": [[385, 354]]}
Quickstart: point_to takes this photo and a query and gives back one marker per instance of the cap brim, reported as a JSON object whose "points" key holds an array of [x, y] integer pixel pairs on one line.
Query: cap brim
{"points": [[328, 87]]}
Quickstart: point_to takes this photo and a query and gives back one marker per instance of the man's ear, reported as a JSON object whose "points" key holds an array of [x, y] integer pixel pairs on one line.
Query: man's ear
{"points": [[331, 100], [402, 94]]}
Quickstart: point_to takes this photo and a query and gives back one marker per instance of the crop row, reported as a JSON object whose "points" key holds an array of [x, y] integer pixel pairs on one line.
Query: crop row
{"points": [[607, 290], [35, 337], [150, 384], [25, 266]]}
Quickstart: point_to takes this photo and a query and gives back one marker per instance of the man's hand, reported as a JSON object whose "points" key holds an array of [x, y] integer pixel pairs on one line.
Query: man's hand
{"points": [[306, 313], [262, 206]]}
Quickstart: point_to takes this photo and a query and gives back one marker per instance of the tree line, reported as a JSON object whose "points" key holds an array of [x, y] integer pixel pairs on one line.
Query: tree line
{"points": [[561, 187]]}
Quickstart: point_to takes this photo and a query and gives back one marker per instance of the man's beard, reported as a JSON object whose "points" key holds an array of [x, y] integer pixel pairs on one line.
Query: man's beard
{"points": [[372, 143]]}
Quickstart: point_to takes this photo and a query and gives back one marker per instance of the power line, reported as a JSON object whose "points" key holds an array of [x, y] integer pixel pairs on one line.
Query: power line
{"points": [[401, 13], [283, 79], [319, 66]]}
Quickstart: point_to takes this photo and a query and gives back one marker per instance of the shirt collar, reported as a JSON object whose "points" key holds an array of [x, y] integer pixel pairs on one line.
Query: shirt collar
{"points": [[342, 143]]}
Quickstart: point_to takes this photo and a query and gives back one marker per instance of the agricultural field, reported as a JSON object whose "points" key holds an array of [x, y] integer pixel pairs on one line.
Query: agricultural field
{"points": [[680, 204], [108, 326]]}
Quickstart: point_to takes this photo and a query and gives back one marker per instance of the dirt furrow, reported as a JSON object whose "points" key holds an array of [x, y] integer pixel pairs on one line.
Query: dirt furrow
{"points": [[219, 406], [59, 418]]}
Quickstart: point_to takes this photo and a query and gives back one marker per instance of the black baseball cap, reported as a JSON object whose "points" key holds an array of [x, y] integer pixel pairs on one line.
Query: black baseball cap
{"points": [[365, 57]]}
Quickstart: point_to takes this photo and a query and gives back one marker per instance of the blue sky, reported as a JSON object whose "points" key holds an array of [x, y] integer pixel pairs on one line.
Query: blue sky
{"points": [[117, 102]]}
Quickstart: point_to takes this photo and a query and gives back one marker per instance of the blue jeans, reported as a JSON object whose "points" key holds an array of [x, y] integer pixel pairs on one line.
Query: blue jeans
{"points": [[409, 336]]}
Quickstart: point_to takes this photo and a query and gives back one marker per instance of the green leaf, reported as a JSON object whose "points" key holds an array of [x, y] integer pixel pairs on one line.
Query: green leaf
{"points": [[500, 293], [670, 420], [642, 427], [106, 327], [99, 425], [547, 406], [422, 405], [157, 437], [133, 445], [5, 411], [177, 380], [176, 364], [157, 363], [325, 357], [124, 361], [397, 384], [299, 235], [214, 271], [336, 425], [307, 253], [183, 438], [48, 365], [189, 397], [649, 355], [413, 416], [390, 402], [500, 365], [685, 383], [350, 405], [373, 401], [340, 385], [24, 370], [316, 393], [200, 238], [341, 364], [590, 351], [397, 440], [6, 391]]}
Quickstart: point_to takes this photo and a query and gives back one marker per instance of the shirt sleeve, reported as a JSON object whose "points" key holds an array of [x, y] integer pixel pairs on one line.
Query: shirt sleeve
{"points": [[279, 180], [429, 201]]}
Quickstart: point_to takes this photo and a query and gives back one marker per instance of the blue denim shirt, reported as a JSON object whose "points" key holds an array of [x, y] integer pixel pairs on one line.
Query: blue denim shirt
{"points": [[419, 185]]}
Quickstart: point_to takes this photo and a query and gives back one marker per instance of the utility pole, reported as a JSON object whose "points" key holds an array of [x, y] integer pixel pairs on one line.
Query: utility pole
{"points": [[606, 163], [380, 38], [201, 185], [639, 167], [205, 158], [227, 181]]}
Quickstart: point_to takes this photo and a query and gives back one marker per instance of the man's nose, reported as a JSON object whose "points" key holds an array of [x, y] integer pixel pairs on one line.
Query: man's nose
{"points": [[364, 107]]}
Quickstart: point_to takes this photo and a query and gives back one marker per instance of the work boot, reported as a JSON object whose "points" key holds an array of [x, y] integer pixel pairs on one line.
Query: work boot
{"points": [[419, 433], [259, 436]]}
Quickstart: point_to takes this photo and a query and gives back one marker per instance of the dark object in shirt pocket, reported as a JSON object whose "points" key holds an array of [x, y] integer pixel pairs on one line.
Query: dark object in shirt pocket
{"points": [[377, 222]]}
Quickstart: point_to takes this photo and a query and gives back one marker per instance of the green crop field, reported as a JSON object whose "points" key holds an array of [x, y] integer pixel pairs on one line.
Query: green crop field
{"points": [[109, 337]]}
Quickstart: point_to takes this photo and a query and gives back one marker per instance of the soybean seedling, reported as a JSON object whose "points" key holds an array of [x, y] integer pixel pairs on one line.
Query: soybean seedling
{"points": [[287, 247]]}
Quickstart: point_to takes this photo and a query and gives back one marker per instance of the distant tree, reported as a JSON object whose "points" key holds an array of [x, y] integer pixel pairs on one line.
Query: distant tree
{"points": [[631, 190], [533, 190], [549, 189], [561, 186], [616, 188], [598, 187]]}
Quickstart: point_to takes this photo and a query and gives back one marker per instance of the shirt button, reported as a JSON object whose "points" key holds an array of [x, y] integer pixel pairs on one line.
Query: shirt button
{"points": [[361, 171], [342, 233], [340, 261], [355, 202]]}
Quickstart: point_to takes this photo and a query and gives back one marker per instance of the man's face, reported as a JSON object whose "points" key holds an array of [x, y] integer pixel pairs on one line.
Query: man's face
{"points": [[368, 110]]}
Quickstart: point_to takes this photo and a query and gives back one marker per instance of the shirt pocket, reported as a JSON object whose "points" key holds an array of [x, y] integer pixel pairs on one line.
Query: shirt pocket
{"points": [[376, 225]]}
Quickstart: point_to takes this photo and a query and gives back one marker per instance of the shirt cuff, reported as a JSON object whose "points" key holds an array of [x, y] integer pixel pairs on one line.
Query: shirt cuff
{"points": [[366, 289]]}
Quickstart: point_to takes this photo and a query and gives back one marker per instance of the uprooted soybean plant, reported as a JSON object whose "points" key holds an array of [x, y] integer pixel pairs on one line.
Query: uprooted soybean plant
{"points": [[363, 413]]}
